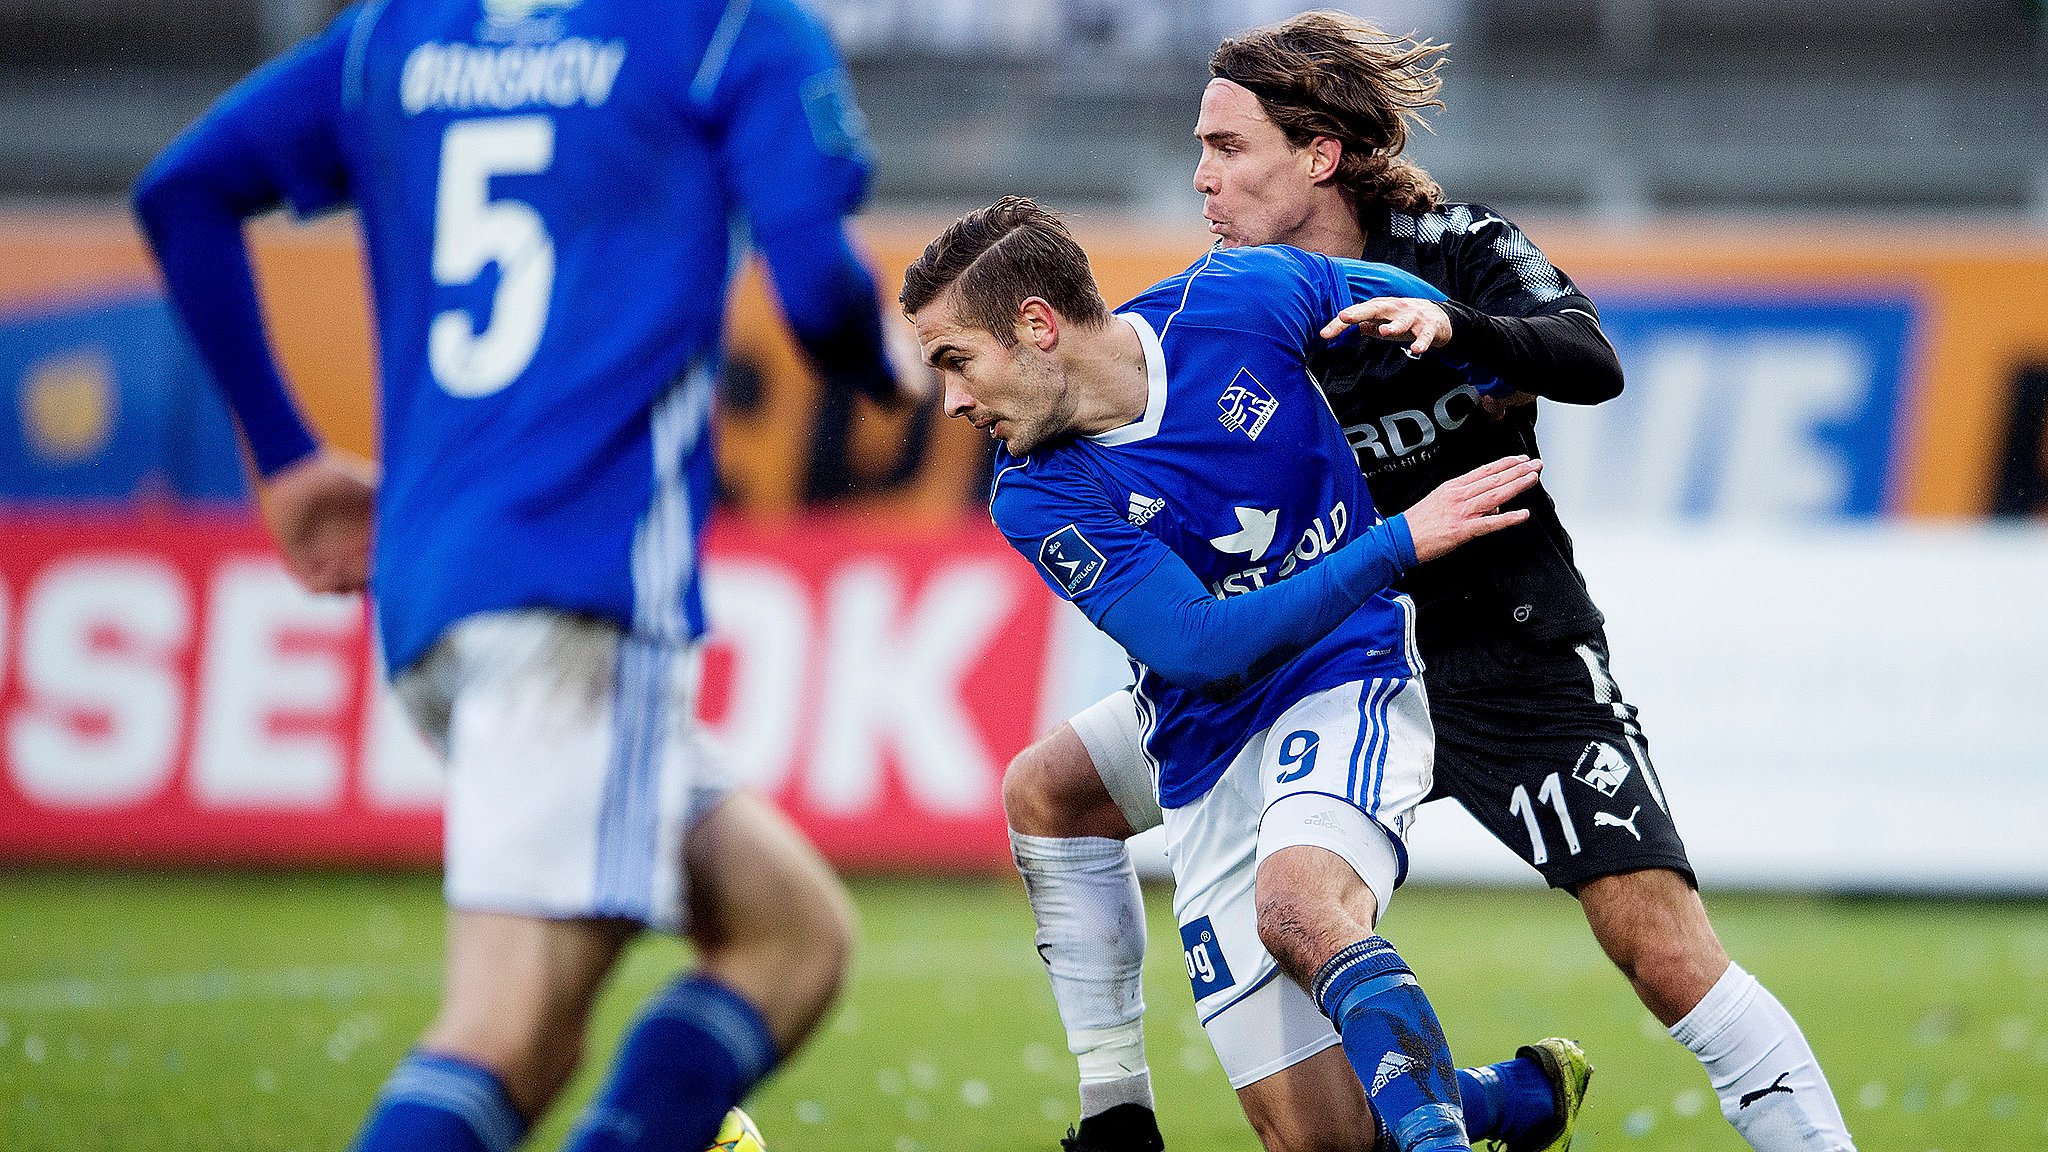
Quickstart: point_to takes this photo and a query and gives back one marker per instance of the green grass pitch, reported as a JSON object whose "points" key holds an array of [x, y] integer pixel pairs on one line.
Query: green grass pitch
{"points": [[224, 1011]]}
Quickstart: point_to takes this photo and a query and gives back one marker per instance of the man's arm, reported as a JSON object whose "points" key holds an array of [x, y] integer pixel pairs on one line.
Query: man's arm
{"points": [[1518, 317], [795, 147], [269, 141], [1557, 355], [1166, 620]]}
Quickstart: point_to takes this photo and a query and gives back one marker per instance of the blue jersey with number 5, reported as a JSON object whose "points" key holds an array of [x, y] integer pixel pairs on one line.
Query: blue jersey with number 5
{"points": [[548, 192]]}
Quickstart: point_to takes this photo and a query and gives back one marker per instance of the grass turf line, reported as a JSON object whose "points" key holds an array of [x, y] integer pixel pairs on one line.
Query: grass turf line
{"points": [[225, 1011]]}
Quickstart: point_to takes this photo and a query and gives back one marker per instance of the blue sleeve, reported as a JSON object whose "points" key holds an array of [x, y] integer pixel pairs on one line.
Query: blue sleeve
{"points": [[1171, 624], [1136, 589], [273, 139], [795, 147]]}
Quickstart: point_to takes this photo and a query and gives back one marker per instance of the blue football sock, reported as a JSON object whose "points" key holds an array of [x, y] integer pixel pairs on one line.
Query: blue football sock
{"points": [[1506, 1101], [435, 1103], [696, 1050], [1394, 1043]]}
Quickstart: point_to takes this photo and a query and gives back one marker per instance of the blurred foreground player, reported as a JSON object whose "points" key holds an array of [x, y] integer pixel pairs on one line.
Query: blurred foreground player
{"points": [[1172, 470], [547, 191], [1301, 133]]}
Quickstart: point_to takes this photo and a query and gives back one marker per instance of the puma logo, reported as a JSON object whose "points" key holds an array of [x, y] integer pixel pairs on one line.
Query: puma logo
{"points": [[1610, 820], [1777, 1085]]}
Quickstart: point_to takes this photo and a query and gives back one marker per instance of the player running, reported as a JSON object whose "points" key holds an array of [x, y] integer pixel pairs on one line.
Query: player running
{"points": [[1172, 470], [1301, 133], [547, 191]]}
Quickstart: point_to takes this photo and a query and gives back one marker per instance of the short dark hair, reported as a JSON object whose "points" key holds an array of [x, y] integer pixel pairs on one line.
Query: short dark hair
{"points": [[1333, 74], [1000, 256]]}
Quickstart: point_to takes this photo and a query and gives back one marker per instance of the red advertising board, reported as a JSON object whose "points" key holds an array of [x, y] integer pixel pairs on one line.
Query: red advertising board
{"points": [[167, 693]]}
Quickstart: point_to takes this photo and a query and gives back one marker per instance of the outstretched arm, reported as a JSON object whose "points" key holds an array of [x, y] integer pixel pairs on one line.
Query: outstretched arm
{"points": [[1171, 624]]}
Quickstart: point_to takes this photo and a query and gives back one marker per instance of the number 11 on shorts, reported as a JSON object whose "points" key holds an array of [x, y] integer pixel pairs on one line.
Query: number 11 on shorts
{"points": [[1551, 793]]}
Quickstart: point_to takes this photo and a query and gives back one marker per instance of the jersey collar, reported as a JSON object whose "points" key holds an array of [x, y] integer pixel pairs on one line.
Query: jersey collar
{"points": [[1146, 426]]}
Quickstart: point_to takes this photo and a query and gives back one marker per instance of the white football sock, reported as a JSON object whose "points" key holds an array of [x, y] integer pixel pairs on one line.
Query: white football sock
{"points": [[1091, 935], [1770, 1085]]}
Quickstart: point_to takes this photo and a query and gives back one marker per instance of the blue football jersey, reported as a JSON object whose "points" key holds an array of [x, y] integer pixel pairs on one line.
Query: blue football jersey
{"points": [[1238, 468], [549, 192]]}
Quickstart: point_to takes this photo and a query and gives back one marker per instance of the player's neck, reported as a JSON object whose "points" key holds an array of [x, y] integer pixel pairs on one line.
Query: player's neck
{"points": [[1332, 232], [1106, 368]]}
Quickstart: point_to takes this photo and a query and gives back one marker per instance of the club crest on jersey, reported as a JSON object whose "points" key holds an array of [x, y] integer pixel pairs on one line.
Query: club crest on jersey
{"points": [[1602, 768], [1071, 561], [1246, 404]]}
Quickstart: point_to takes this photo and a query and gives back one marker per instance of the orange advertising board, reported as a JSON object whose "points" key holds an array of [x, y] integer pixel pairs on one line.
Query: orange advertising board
{"points": [[1966, 334]]}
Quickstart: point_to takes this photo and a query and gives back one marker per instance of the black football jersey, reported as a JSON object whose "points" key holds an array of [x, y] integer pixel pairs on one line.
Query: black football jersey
{"points": [[1415, 424]]}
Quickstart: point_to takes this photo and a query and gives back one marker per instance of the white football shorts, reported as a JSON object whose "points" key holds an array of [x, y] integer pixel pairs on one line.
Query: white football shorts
{"points": [[575, 764], [1344, 770]]}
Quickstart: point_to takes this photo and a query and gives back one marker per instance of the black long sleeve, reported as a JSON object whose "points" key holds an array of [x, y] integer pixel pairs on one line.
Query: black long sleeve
{"points": [[1559, 355]]}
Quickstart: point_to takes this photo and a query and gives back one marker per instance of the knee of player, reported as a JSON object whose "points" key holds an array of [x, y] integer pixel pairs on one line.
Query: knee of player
{"points": [[1031, 796], [1288, 927], [819, 934], [1674, 968]]}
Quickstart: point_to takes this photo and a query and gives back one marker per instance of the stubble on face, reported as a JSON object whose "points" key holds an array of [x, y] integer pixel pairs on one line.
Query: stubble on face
{"points": [[1014, 393]]}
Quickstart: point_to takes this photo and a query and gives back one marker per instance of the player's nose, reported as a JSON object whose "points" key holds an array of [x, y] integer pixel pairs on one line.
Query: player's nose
{"points": [[957, 400], [1205, 177]]}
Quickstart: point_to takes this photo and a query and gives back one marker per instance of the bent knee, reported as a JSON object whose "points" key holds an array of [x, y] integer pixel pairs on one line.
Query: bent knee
{"points": [[1291, 929], [1029, 803], [1052, 788]]}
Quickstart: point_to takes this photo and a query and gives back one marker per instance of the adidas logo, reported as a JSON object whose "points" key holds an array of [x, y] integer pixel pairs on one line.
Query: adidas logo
{"points": [[1144, 508], [1391, 1065]]}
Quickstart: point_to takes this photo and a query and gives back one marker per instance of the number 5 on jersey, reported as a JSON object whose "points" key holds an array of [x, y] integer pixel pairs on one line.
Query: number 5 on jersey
{"points": [[471, 231]]}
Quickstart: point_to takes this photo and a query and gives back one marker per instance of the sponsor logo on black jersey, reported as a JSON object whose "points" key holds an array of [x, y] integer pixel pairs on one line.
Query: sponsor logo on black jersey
{"points": [[1247, 405], [1398, 434], [1071, 561]]}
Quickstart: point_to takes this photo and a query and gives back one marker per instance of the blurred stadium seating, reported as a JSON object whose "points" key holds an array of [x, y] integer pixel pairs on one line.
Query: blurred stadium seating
{"points": [[1613, 107]]}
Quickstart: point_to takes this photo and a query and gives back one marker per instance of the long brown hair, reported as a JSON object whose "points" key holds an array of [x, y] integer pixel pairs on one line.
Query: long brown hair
{"points": [[1333, 74]]}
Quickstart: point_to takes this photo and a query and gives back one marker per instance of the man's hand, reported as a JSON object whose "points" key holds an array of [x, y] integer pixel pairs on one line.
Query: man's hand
{"points": [[1468, 507], [1420, 324], [319, 513]]}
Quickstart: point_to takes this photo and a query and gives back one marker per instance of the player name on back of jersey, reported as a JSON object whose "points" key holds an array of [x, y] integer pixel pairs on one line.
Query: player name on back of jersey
{"points": [[442, 77]]}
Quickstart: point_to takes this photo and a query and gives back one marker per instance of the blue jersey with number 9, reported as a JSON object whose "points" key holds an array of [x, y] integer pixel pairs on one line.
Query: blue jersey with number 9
{"points": [[549, 192]]}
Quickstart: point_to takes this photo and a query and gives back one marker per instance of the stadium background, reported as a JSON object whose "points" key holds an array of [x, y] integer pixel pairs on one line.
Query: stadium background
{"points": [[1819, 239]]}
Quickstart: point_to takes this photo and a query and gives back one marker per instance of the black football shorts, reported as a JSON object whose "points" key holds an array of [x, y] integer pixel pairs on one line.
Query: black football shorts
{"points": [[1536, 742]]}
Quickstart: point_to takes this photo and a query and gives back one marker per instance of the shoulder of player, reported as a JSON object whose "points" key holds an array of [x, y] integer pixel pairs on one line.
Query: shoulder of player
{"points": [[1220, 291], [1052, 472], [1449, 223]]}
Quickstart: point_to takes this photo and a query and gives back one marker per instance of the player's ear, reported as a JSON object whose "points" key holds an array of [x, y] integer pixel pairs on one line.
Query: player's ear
{"points": [[1323, 155], [1038, 324]]}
